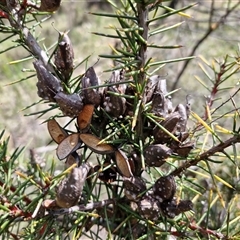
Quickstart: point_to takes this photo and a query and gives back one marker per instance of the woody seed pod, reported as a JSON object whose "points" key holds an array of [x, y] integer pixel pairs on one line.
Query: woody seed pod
{"points": [[182, 149], [85, 116], [149, 208], [70, 188], [182, 123], [114, 104], [70, 104], [90, 95], [171, 208], [156, 154], [150, 87], [133, 187], [108, 175], [57, 133], [69, 145], [48, 85], [122, 164], [170, 124], [64, 57], [93, 143], [164, 188]]}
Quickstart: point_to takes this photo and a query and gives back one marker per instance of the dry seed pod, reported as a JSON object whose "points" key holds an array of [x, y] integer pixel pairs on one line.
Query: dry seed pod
{"points": [[70, 188], [184, 206], [168, 208], [182, 123], [73, 158], [117, 77], [170, 124], [156, 154], [162, 86], [149, 208], [114, 104], [138, 230], [135, 163], [91, 96], [123, 164], [70, 104], [108, 175], [93, 143], [159, 107], [56, 132], [47, 5], [64, 56], [84, 117], [161, 104], [171, 209], [182, 149], [164, 188], [48, 85], [133, 187], [68, 146], [150, 87]]}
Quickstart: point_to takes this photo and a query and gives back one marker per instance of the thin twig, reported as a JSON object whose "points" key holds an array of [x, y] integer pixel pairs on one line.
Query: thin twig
{"points": [[210, 30], [204, 231], [204, 156], [82, 207], [15, 20]]}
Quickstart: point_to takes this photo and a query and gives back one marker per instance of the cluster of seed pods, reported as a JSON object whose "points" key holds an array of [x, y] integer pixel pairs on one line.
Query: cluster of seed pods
{"points": [[169, 133]]}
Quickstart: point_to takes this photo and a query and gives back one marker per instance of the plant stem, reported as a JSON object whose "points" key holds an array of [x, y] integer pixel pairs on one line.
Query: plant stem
{"points": [[204, 156], [142, 11]]}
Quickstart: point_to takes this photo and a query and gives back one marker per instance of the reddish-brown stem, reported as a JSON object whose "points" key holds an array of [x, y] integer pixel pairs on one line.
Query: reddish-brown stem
{"points": [[204, 156], [214, 91], [205, 231]]}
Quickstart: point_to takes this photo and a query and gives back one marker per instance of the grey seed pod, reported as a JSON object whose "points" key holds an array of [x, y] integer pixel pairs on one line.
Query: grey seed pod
{"points": [[118, 77], [138, 230], [108, 175], [133, 187], [183, 149], [92, 76], [114, 104], [184, 206], [149, 208], [164, 188], [70, 188], [73, 158], [170, 124], [156, 154], [70, 104], [182, 123], [48, 85], [150, 87], [159, 105], [171, 208], [168, 208], [91, 96], [162, 86], [64, 57]]}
